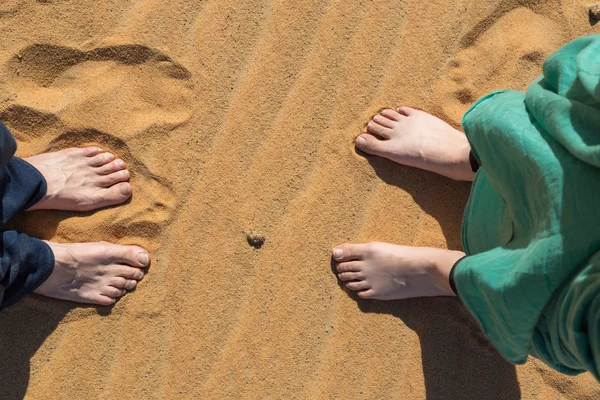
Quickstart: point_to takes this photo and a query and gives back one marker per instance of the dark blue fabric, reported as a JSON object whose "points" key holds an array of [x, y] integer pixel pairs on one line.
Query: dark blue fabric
{"points": [[25, 263], [8, 146]]}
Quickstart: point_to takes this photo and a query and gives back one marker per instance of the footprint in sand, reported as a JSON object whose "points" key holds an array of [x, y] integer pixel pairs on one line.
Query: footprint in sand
{"points": [[123, 98], [507, 54], [125, 89]]}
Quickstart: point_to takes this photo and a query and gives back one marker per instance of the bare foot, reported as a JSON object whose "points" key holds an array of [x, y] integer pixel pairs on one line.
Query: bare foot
{"points": [[96, 273], [385, 271], [417, 139], [81, 179]]}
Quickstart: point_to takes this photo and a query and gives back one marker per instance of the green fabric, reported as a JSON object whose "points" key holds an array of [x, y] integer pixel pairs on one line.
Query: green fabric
{"points": [[531, 227]]}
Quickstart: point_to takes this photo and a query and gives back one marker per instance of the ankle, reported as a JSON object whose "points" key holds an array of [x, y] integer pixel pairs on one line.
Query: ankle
{"points": [[461, 166], [443, 262]]}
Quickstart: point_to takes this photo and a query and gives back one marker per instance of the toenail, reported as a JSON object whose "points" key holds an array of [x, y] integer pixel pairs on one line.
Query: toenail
{"points": [[338, 253], [361, 141], [125, 189], [143, 259]]}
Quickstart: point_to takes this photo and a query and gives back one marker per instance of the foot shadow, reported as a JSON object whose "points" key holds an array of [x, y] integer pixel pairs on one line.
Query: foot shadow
{"points": [[25, 326], [440, 197], [458, 361], [23, 329]]}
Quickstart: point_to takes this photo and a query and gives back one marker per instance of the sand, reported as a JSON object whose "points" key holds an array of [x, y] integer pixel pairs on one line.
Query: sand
{"points": [[237, 120]]}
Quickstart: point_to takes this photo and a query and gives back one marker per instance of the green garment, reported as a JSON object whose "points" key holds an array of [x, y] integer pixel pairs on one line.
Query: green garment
{"points": [[532, 225]]}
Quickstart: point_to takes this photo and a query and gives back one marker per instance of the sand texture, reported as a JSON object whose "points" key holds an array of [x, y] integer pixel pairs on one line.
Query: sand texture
{"points": [[237, 120]]}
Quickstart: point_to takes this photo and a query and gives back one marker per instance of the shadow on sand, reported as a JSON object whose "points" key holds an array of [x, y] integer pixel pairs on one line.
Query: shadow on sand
{"points": [[23, 329], [440, 197], [26, 325]]}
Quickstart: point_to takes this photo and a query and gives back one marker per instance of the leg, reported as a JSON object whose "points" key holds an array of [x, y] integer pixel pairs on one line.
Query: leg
{"points": [[417, 139], [95, 273], [385, 271], [24, 264], [21, 186], [72, 179], [8, 146]]}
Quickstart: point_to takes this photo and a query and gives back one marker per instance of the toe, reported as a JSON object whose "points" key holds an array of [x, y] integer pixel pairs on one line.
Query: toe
{"points": [[370, 144], [122, 283], [100, 299], [129, 255], [406, 111], [129, 272], [115, 194], [349, 252], [113, 292], [392, 114], [366, 294], [118, 282], [349, 266], [358, 285], [113, 166], [384, 121], [100, 159], [351, 276], [116, 177], [92, 151], [131, 284], [377, 129]]}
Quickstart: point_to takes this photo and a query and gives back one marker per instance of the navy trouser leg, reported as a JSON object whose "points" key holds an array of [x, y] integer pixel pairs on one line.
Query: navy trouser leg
{"points": [[21, 186], [25, 263]]}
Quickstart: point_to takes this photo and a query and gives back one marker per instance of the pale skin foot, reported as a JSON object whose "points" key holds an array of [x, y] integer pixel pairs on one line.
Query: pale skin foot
{"points": [[94, 273], [81, 179], [418, 139], [383, 271]]}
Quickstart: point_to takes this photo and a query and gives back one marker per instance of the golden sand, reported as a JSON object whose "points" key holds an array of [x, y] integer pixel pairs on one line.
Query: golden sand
{"points": [[237, 120]]}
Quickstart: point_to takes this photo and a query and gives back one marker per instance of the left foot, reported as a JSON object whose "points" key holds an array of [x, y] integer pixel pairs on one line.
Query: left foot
{"points": [[81, 179], [383, 271], [95, 273]]}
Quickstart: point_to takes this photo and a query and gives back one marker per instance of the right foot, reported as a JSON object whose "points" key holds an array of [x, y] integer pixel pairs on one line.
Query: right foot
{"points": [[418, 139], [95, 273]]}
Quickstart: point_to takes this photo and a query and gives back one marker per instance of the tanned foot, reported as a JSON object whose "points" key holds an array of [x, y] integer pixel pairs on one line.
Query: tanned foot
{"points": [[417, 139], [95, 273], [81, 179], [385, 271]]}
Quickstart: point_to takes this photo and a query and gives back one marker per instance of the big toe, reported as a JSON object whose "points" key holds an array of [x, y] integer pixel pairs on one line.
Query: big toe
{"points": [[348, 252], [111, 196], [370, 144], [130, 255]]}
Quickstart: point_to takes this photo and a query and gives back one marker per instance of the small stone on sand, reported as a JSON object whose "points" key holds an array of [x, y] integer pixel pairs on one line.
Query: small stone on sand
{"points": [[255, 239]]}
